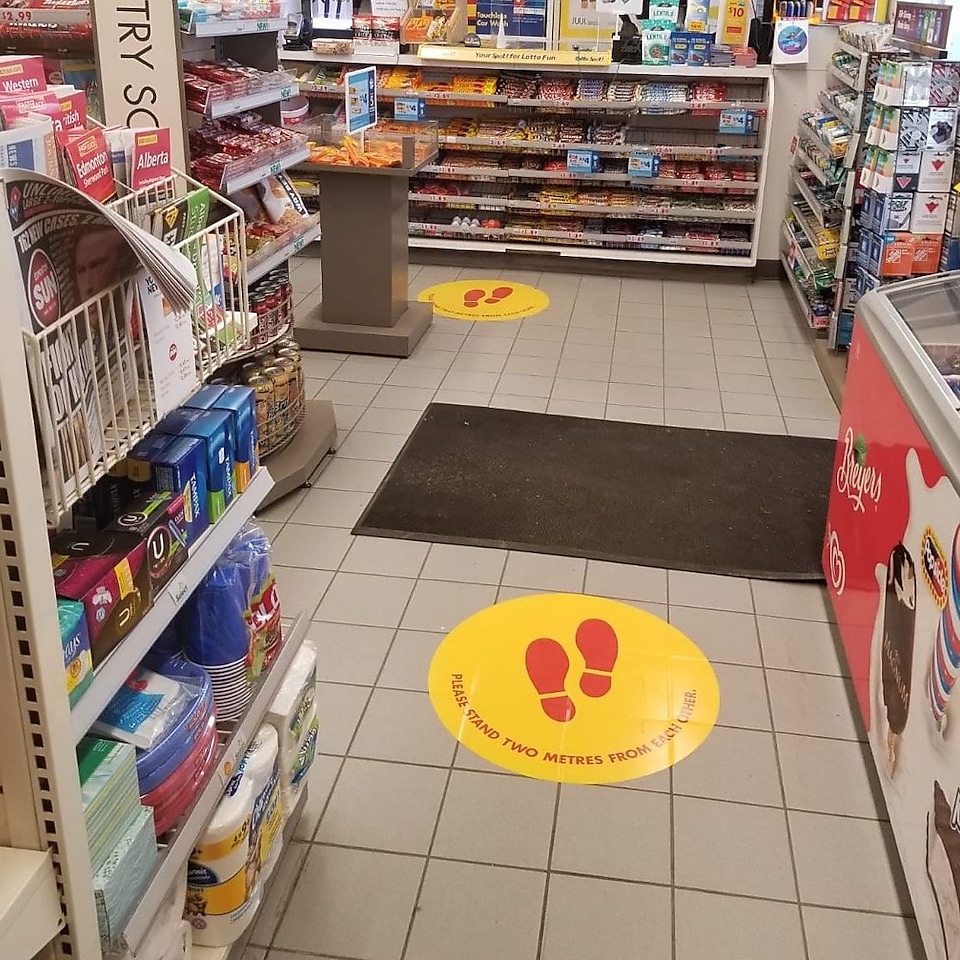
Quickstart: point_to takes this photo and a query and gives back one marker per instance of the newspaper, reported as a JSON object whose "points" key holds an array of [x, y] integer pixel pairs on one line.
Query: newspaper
{"points": [[79, 264]]}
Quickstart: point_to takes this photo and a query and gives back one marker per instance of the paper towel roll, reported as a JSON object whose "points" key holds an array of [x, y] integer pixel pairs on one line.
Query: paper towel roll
{"points": [[223, 848], [261, 764], [291, 707], [221, 931]]}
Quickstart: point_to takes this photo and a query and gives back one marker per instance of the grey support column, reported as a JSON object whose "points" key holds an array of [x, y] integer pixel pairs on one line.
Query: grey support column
{"points": [[364, 264]]}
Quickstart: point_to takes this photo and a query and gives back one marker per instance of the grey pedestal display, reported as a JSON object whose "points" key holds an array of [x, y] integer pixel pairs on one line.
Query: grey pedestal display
{"points": [[364, 265]]}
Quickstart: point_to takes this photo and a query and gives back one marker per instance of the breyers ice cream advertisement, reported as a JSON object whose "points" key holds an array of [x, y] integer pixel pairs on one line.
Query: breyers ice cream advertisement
{"points": [[892, 560]]}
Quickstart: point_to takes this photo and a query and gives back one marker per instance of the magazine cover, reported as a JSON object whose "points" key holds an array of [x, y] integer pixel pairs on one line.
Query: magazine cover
{"points": [[70, 250]]}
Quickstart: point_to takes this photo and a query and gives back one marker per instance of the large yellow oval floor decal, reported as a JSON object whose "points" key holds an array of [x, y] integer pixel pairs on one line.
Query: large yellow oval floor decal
{"points": [[574, 688], [485, 299]]}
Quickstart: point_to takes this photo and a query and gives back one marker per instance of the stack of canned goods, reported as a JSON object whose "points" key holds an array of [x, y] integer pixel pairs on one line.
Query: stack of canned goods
{"points": [[277, 381], [271, 299]]}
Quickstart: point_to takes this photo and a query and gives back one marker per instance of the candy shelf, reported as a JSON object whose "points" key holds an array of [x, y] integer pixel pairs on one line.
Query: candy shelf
{"points": [[235, 739], [227, 105], [523, 125], [280, 251], [110, 675], [241, 174]]}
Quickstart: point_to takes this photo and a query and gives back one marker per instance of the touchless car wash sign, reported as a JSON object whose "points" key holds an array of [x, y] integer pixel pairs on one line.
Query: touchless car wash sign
{"points": [[573, 688], [892, 562]]}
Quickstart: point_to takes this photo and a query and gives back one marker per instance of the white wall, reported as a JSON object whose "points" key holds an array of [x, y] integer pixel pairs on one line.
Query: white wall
{"points": [[795, 90]]}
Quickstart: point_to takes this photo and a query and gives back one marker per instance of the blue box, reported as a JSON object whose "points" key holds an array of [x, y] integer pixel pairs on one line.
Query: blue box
{"points": [[140, 459], [583, 161], [241, 403], [215, 429], [640, 164], [77, 662], [181, 468], [679, 47]]}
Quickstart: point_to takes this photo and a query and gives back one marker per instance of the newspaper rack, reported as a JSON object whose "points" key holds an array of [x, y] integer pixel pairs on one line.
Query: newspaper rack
{"points": [[218, 344], [86, 425]]}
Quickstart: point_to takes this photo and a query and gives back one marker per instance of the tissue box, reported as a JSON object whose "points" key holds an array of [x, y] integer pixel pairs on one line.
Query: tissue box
{"points": [[106, 572], [158, 519], [77, 662]]}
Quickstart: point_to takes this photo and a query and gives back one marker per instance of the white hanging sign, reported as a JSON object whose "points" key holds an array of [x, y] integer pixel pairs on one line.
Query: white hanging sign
{"points": [[138, 51]]}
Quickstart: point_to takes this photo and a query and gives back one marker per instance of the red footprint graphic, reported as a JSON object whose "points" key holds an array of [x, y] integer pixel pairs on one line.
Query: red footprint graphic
{"points": [[498, 294], [598, 644], [472, 297], [547, 667]]}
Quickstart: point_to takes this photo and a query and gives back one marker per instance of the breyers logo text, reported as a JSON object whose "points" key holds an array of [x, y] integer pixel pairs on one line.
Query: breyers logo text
{"points": [[855, 478]]}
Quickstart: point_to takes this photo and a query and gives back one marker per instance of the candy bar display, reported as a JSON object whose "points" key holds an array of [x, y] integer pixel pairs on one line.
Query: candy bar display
{"points": [[211, 85], [225, 149]]}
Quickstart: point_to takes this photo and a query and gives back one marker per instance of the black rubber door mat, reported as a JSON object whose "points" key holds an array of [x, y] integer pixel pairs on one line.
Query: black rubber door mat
{"points": [[741, 504]]}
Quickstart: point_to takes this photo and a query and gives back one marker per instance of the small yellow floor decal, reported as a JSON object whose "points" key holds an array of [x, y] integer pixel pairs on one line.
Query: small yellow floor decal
{"points": [[485, 300], [574, 688]]}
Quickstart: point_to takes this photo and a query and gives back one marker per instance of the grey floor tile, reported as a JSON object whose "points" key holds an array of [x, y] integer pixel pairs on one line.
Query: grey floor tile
{"points": [[386, 556], [403, 398], [313, 547], [354, 394], [369, 600], [362, 476], [384, 806], [371, 446], [732, 848], [743, 699], [319, 786], [382, 420], [346, 416], [606, 920], [732, 764], [707, 590], [466, 759], [300, 589], [860, 936], [365, 369], [331, 508], [695, 379], [330, 910], [813, 705], [487, 912], [401, 725], [830, 855], [577, 408], [525, 385], [488, 818], [800, 645], [634, 414], [407, 666], [825, 429], [687, 398], [624, 581], [579, 390], [736, 928], [799, 601], [339, 707], [752, 366], [282, 510], [452, 561], [755, 423], [697, 419], [506, 401], [544, 571], [649, 374], [756, 404], [440, 606], [723, 636], [405, 376], [636, 394], [347, 653], [850, 790], [604, 832], [275, 904], [529, 366]]}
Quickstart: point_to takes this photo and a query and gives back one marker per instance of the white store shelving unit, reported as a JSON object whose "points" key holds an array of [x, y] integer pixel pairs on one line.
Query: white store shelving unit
{"points": [[682, 130]]}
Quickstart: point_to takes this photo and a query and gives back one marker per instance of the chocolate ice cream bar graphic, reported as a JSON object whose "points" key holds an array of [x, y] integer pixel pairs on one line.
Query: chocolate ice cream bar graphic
{"points": [[943, 867], [945, 664], [896, 657]]}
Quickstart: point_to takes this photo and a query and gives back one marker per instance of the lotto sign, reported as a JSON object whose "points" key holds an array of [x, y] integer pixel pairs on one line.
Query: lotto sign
{"points": [[360, 99], [734, 24]]}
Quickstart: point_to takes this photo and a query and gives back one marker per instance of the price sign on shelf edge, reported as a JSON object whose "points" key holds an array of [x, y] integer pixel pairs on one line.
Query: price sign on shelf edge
{"points": [[360, 99]]}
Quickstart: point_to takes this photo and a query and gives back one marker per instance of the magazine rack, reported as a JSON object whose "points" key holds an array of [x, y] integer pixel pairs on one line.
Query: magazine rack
{"points": [[103, 424]]}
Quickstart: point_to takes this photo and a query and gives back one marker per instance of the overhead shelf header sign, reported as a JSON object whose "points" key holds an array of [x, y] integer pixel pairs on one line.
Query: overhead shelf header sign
{"points": [[585, 58], [138, 50]]}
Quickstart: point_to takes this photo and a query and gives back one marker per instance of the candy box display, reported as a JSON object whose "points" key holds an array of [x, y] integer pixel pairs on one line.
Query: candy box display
{"points": [[159, 520], [106, 572]]}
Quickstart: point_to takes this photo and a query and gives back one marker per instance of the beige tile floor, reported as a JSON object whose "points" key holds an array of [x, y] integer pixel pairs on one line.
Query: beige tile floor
{"points": [[766, 843]]}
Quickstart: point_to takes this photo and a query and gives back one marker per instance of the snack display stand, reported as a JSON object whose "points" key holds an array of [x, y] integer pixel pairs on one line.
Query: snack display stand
{"points": [[892, 564], [364, 211]]}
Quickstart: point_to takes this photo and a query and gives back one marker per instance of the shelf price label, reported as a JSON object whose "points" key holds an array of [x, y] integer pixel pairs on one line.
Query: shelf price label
{"points": [[643, 164], [583, 161], [275, 168], [360, 99], [408, 108]]}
